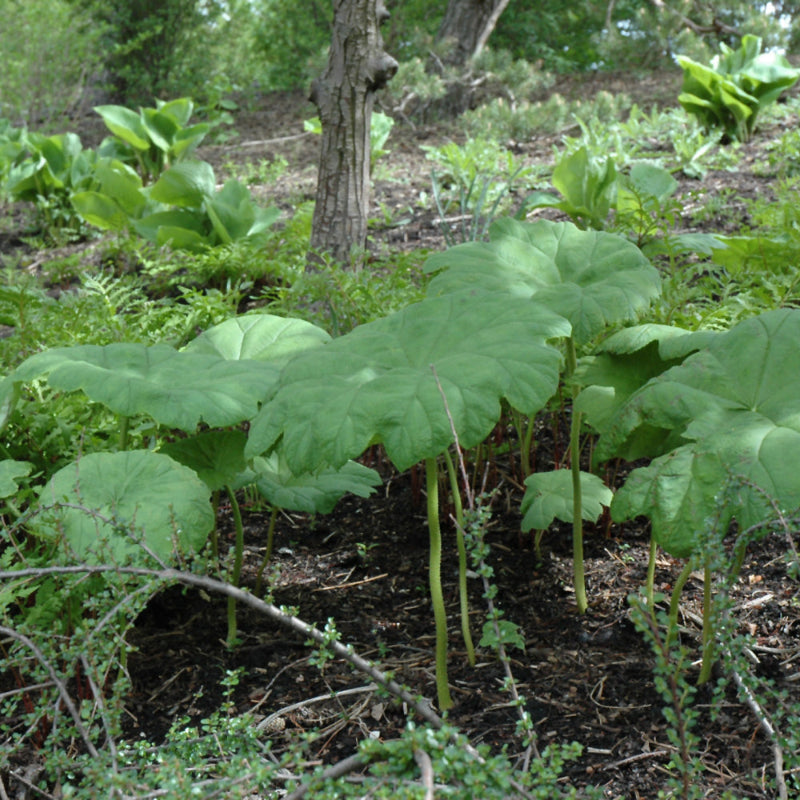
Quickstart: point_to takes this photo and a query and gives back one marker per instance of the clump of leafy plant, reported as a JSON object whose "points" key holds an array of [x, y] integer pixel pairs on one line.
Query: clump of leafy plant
{"points": [[45, 171], [381, 383], [592, 187], [593, 280], [724, 414], [476, 182], [588, 188], [183, 208], [737, 85], [154, 138]]}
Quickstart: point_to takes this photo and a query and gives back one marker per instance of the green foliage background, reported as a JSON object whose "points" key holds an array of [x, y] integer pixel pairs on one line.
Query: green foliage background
{"points": [[135, 50]]}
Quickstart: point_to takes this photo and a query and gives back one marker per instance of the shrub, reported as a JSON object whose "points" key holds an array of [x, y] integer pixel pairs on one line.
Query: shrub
{"points": [[46, 67]]}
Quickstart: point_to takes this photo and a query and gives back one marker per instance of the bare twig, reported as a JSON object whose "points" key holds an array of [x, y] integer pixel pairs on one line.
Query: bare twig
{"points": [[101, 708], [268, 721], [768, 727], [420, 705], [337, 770], [260, 142], [426, 771]]}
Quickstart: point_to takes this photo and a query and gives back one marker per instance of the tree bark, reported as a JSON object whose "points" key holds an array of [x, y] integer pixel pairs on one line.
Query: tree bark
{"points": [[468, 24], [344, 95]]}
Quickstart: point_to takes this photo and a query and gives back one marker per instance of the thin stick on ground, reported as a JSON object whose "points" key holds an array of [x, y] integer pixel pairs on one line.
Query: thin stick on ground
{"points": [[419, 704]]}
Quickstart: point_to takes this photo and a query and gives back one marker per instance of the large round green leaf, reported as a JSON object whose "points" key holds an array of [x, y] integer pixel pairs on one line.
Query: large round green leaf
{"points": [[176, 389], [259, 336], [736, 403], [591, 278], [107, 505], [377, 382]]}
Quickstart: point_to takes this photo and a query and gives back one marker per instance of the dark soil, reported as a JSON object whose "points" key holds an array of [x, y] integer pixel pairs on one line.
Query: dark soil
{"points": [[587, 678]]}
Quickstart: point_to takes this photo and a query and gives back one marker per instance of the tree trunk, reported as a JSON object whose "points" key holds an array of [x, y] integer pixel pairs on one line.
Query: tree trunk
{"points": [[344, 95], [468, 24]]}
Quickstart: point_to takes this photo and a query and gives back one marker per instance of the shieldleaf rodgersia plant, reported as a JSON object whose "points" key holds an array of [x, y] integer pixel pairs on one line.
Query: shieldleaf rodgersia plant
{"points": [[376, 384], [736, 87], [730, 414], [593, 279], [735, 405]]}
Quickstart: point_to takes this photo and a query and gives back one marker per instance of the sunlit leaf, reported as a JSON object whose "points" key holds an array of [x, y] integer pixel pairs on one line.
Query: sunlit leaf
{"points": [[377, 382], [591, 278]]}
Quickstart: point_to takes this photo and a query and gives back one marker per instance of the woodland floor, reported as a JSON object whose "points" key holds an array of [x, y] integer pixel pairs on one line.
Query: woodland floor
{"points": [[588, 678]]}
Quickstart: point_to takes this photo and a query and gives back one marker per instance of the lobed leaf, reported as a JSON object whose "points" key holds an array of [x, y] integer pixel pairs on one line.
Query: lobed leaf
{"points": [[736, 404], [377, 383], [216, 456], [591, 278], [176, 389], [10, 471], [549, 496], [258, 336], [313, 493]]}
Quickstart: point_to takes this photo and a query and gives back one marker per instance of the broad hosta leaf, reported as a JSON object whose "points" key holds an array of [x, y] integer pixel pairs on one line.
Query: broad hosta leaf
{"points": [[736, 403], [161, 128], [181, 238], [259, 336], [180, 109], [10, 470], [186, 184], [118, 196], [176, 389], [179, 222], [126, 124], [314, 493], [99, 210], [591, 278], [376, 383], [216, 456], [137, 495], [549, 496], [232, 211], [187, 139]]}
